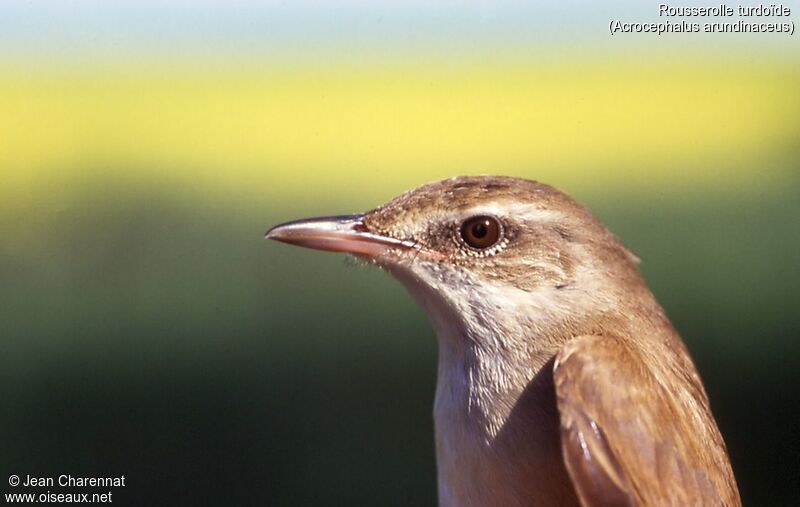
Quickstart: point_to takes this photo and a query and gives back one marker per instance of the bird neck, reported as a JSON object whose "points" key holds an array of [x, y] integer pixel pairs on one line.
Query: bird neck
{"points": [[494, 411], [485, 366], [492, 341]]}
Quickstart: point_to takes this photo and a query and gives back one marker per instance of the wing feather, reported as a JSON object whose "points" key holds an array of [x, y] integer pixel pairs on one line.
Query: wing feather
{"points": [[632, 436]]}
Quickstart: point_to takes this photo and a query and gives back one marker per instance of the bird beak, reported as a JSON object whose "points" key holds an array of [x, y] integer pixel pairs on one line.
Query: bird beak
{"points": [[344, 233]]}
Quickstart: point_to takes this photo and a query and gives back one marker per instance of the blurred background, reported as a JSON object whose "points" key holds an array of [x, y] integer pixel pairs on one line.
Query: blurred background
{"points": [[148, 330]]}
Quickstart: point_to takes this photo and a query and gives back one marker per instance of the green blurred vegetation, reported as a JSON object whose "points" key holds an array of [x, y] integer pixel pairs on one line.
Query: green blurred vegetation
{"points": [[149, 330]]}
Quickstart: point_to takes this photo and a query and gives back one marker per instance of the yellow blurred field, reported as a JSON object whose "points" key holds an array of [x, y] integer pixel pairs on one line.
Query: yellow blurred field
{"points": [[388, 128]]}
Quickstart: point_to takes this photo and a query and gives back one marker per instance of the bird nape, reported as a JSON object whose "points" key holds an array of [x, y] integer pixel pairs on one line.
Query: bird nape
{"points": [[561, 382]]}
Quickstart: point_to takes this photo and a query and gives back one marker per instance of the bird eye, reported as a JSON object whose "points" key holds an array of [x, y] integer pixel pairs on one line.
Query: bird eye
{"points": [[481, 232]]}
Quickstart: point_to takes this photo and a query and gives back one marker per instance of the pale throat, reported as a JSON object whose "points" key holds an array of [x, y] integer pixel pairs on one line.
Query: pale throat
{"points": [[488, 343]]}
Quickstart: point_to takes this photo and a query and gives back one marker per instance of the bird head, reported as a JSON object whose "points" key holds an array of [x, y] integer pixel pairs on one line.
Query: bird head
{"points": [[473, 245], [506, 231]]}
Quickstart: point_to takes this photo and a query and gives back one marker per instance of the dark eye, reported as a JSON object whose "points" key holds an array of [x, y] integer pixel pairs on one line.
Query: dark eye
{"points": [[481, 232]]}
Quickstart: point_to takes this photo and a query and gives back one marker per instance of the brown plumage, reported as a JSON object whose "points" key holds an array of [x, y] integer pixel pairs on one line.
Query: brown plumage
{"points": [[561, 382]]}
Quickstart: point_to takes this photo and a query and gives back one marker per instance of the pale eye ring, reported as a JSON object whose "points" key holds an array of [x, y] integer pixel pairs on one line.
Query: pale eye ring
{"points": [[481, 232]]}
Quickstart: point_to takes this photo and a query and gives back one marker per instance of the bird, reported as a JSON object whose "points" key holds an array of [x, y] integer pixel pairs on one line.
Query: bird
{"points": [[561, 381]]}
